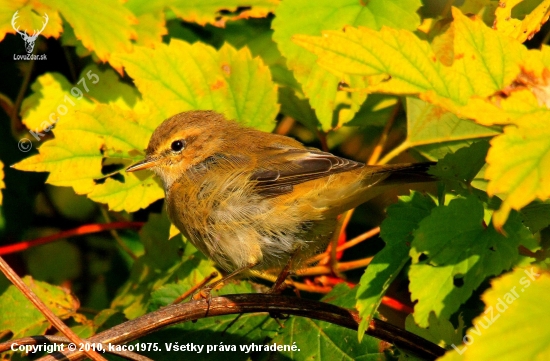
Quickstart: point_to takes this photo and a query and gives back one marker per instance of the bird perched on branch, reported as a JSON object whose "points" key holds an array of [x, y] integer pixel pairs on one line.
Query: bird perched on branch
{"points": [[250, 199]]}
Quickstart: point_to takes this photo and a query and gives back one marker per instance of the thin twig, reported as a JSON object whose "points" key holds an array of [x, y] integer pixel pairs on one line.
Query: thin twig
{"points": [[342, 266], [340, 228], [323, 139], [78, 231], [253, 303], [355, 241], [285, 126], [377, 151], [116, 236], [50, 316], [297, 285], [395, 152], [190, 291]]}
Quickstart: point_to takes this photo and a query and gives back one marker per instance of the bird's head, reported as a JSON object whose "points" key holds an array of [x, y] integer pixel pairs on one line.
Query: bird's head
{"points": [[183, 141]]}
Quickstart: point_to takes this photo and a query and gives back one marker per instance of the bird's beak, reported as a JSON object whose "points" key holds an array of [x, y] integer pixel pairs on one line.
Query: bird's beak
{"points": [[142, 164]]}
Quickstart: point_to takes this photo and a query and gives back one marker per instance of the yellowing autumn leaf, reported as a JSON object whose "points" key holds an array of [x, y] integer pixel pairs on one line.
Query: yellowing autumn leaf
{"points": [[520, 29], [102, 26], [398, 62], [51, 100], [180, 76], [487, 67], [26, 319], [333, 107], [511, 304], [95, 142], [88, 142], [30, 17], [205, 12]]}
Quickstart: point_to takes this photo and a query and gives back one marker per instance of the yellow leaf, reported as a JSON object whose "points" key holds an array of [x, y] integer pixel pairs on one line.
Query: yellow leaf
{"points": [[511, 304], [174, 231], [520, 29], [51, 100], [493, 79], [484, 61], [519, 164], [129, 195], [104, 26], [180, 76], [22, 318], [205, 12], [30, 17], [151, 24], [321, 87], [88, 142], [73, 159]]}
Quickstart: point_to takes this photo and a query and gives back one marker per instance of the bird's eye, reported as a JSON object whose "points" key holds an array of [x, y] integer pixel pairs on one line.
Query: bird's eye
{"points": [[178, 145]]}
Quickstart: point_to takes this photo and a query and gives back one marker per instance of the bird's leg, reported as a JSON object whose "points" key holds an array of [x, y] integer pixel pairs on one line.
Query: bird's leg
{"points": [[280, 284], [204, 292]]}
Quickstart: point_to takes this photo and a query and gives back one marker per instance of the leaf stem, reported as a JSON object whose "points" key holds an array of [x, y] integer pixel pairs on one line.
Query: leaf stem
{"points": [[377, 151], [395, 152]]}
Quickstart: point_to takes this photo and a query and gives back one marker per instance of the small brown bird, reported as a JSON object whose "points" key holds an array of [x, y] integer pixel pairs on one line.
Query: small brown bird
{"points": [[247, 198]]}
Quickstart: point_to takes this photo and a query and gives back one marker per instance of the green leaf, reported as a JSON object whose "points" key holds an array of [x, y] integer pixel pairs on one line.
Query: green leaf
{"points": [[105, 27], [44, 267], [464, 164], [333, 107], [318, 340], [398, 62], [109, 89], [513, 325], [22, 318], [258, 37], [458, 253], [486, 63], [375, 111], [297, 108], [429, 124], [536, 216], [396, 230], [165, 261], [180, 76], [440, 331]]}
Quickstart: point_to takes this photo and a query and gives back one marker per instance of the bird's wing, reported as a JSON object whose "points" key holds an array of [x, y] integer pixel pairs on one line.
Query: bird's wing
{"points": [[293, 166]]}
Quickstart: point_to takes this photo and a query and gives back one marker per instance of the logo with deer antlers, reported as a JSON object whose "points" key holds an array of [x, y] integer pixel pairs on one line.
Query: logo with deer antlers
{"points": [[29, 39]]}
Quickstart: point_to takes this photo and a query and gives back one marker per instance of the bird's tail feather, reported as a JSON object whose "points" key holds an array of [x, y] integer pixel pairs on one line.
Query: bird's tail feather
{"points": [[409, 173]]}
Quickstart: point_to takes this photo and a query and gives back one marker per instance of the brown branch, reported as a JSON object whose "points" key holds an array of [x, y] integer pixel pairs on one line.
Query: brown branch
{"points": [[250, 303], [50, 316]]}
